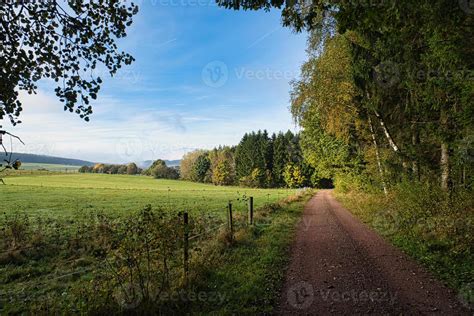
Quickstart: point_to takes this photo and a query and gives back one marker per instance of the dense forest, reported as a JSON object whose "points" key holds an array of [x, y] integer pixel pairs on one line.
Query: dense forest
{"points": [[386, 94], [259, 160]]}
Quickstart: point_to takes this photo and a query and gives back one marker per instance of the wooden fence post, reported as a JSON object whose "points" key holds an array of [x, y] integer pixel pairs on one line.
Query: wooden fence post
{"points": [[231, 224], [251, 210], [186, 247]]}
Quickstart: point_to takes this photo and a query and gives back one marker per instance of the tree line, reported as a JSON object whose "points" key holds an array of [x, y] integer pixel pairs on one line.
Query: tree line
{"points": [[380, 107], [387, 92], [129, 169], [259, 160], [158, 169]]}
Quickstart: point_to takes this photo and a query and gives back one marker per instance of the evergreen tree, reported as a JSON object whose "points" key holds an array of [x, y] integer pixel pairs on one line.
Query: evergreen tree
{"points": [[201, 168]]}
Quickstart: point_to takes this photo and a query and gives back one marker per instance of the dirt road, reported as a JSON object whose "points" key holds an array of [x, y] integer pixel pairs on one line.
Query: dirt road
{"points": [[340, 266]]}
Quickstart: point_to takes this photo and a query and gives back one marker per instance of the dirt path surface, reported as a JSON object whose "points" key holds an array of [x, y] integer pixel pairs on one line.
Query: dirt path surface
{"points": [[340, 266]]}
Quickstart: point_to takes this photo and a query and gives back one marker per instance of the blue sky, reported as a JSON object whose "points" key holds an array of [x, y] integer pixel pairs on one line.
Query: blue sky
{"points": [[203, 77]]}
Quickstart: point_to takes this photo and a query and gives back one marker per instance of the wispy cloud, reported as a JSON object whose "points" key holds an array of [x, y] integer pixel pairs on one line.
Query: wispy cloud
{"points": [[160, 106], [263, 37], [155, 132]]}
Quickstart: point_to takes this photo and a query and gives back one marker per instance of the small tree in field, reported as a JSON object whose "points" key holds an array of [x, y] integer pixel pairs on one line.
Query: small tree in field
{"points": [[98, 168], [85, 169], [132, 168], [122, 169]]}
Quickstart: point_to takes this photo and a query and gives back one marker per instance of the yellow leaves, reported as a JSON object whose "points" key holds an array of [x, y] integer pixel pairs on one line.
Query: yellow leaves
{"points": [[328, 92], [293, 175]]}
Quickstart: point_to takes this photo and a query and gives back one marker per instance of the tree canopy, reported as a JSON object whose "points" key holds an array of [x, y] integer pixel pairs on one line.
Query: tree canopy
{"points": [[390, 86], [64, 43], [387, 90]]}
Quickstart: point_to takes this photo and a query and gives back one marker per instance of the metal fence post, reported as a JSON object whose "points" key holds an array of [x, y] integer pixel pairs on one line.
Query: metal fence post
{"points": [[186, 247], [231, 224], [251, 210]]}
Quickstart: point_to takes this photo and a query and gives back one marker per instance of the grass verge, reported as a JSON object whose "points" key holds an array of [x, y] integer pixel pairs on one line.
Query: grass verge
{"points": [[133, 264], [248, 274], [433, 228]]}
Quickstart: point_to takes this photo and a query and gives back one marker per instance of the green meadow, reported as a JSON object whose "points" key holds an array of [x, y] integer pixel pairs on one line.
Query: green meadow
{"points": [[69, 196], [64, 237], [49, 167]]}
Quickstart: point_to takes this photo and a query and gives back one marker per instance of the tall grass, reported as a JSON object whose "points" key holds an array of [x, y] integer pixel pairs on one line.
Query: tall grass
{"points": [[432, 226], [103, 264]]}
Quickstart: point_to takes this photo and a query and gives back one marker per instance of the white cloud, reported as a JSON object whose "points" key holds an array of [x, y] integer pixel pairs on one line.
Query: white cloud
{"points": [[121, 131]]}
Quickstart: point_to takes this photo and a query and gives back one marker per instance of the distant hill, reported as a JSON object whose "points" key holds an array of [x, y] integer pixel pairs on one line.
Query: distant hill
{"points": [[40, 159], [147, 163]]}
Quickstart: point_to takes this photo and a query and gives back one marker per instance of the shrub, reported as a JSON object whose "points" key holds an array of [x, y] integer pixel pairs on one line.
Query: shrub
{"points": [[132, 168], [16, 231], [293, 176], [159, 170], [164, 172], [85, 169], [427, 223]]}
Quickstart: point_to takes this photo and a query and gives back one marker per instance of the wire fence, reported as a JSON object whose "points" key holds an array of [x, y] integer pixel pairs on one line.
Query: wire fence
{"points": [[193, 230]]}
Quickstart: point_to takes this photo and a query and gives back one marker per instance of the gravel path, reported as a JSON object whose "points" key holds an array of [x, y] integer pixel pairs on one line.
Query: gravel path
{"points": [[340, 266]]}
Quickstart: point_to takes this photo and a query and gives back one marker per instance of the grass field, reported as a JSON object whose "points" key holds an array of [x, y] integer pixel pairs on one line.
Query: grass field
{"points": [[49, 167], [56, 230], [72, 195]]}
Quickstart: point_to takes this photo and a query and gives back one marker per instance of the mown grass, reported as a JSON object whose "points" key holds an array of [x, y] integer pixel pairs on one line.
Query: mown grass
{"points": [[431, 226], [70, 196], [249, 274], [48, 167], [57, 229]]}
